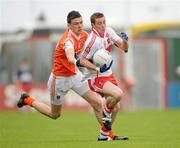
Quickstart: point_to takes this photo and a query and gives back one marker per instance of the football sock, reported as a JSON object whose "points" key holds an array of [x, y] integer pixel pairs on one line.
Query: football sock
{"points": [[109, 107], [104, 133], [107, 110], [104, 129], [28, 101], [111, 134]]}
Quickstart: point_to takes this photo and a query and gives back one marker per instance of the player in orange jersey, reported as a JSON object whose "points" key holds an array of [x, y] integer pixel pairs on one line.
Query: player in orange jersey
{"points": [[65, 74]]}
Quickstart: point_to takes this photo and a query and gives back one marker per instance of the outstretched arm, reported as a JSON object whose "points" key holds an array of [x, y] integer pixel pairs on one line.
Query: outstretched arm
{"points": [[122, 45], [123, 42], [120, 39]]}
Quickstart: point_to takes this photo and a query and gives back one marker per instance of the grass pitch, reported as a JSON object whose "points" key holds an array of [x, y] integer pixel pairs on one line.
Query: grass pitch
{"points": [[146, 129]]}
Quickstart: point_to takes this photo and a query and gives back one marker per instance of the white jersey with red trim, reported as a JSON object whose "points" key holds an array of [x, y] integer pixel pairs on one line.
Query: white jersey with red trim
{"points": [[94, 43]]}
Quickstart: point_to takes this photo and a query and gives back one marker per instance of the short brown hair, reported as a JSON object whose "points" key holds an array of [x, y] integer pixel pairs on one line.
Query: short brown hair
{"points": [[96, 15]]}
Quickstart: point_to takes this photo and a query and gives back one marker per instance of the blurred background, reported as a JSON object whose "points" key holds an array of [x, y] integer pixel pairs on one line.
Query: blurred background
{"points": [[149, 73]]}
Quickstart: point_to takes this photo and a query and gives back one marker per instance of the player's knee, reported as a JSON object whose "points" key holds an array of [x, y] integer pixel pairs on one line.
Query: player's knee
{"points": [[55, 116], [118, 95]]}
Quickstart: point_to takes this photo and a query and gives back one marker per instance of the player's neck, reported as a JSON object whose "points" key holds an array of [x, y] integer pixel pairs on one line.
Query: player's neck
{"points": [[75, 35]]}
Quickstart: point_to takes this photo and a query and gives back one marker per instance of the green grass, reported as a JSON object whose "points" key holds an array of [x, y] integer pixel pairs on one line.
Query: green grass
{"points": [[146, 129]]}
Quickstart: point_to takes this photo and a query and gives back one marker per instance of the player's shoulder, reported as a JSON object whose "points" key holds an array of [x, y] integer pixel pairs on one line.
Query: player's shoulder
{"points": [[84, 34], [92, 36], [92, 39], [64, 36]]}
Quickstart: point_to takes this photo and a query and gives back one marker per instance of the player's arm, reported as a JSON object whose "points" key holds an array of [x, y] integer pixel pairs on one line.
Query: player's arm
{"points": [[86, 63], [69, 50], [120, 40], [123, 43]]}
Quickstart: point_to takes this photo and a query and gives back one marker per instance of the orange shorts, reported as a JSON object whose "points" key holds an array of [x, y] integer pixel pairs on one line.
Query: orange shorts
{"points": [[96, 84]]}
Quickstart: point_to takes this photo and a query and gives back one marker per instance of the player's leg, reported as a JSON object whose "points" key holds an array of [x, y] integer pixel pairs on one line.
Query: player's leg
{"points": [[113, 97], [115, 109], [115, 93], [96, 85], [95, 101], [91, 97], [108, 111], [54, 110], [108, 87]]}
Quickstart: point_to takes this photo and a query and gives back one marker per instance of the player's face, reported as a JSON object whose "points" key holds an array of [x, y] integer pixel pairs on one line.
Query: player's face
{"points": [[76, 25], [100, 25]]}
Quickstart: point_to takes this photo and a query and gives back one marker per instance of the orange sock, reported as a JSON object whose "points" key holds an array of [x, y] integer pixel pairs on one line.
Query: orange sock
{"points": [[111, 134], [28, 101]]}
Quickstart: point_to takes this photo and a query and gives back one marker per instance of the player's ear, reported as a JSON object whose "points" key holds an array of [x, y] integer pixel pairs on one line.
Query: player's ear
{"points": [[92, 25]]}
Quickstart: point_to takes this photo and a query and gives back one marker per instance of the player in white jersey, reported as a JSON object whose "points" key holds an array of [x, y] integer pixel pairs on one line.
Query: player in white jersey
{"points": [[100, 80]]}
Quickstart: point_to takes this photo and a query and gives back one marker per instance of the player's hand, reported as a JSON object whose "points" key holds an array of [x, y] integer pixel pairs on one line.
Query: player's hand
{"points": [[104, 68], [123, 36]]}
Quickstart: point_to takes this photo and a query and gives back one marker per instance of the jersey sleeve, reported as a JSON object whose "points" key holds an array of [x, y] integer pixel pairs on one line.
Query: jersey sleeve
{"points": [[89, 48], [113, 36], [68, 44]]}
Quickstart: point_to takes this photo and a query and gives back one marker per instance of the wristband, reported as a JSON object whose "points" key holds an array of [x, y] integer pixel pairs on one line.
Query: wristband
{"points": [[78, 63]]}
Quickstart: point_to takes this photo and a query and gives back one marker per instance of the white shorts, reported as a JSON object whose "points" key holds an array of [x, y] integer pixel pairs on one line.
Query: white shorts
{"points": [[59, 87]]}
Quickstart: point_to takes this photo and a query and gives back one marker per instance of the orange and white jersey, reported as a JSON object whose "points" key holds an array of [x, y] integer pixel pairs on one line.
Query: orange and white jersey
{"points": [[61, 65], [95, 42]]}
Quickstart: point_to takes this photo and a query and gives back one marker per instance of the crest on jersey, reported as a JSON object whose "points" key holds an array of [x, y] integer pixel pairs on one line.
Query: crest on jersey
{"points": [[108, 41]]}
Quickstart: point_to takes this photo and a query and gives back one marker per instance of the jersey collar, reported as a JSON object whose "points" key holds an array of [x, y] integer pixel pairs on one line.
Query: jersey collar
{"points": [[70, 32], [102, 36]]}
